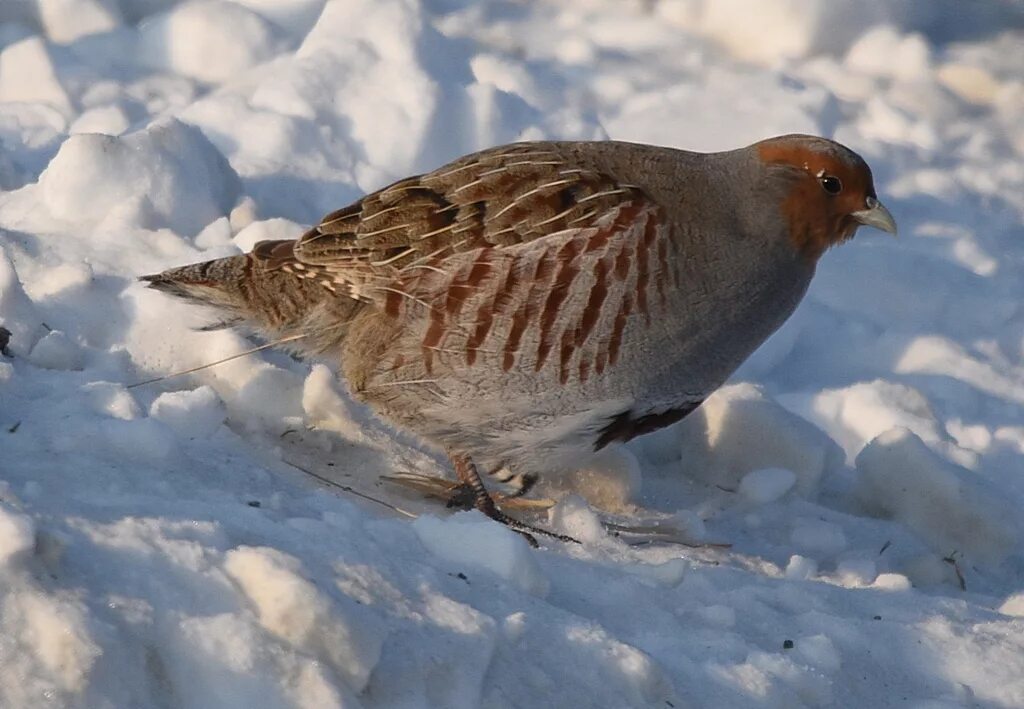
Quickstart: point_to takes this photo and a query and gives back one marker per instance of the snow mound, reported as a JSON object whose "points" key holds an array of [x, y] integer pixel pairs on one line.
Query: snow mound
{"points": [[951, 508], [28, 74], [676, 116], [64, 21], [170, 172], [610, 479], [208, 41], [882, 51], [195, 413], [739, 430], [108, 120], [291, 608], [857, 414], [56, 351], [268, 230], [17, 313], [779, 29], [47, 649], [160, 545], [297, 17], [17, 535], [573, 516], [767, 484]]}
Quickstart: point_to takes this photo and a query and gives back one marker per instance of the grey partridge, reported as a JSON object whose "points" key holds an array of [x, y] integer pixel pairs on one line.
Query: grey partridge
{"points": [[529, 304]]}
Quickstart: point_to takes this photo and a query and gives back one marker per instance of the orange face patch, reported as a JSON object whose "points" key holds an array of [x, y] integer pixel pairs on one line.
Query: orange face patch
{"points": [[818, 219]]}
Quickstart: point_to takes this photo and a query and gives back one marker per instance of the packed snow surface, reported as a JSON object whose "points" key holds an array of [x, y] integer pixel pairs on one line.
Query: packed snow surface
{"points": [[853, 498]]}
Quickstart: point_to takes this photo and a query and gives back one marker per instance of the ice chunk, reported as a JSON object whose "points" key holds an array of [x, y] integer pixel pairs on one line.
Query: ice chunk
{"points": [[469, 538], [17, 535], [349, 637], [171, 166], [739, 430], [197, 413], [67, 20], [210, 41], [951, 508]]}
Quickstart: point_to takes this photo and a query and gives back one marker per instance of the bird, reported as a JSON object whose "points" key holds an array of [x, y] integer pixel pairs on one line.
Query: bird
{"points": [[525, 306]]}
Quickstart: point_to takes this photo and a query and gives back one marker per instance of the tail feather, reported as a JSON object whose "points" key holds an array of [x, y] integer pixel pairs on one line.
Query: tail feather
{"points": [[255, 293]]}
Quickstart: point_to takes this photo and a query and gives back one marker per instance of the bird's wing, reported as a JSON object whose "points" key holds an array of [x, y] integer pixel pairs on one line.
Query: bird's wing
{"points": [[498, 199]]}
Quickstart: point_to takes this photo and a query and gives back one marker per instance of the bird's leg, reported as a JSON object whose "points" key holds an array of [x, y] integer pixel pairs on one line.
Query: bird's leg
{"points": [[473, 493]]}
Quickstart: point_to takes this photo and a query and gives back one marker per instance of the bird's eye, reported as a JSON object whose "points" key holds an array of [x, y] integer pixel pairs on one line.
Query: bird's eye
{"points": [[831, 184]]}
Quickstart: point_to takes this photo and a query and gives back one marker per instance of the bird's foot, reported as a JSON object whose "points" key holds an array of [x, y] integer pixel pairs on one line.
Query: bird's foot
{"points": [[445, 489], [465, 496]]}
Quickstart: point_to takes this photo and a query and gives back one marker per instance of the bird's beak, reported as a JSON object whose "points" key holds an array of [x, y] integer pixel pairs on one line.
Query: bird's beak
{"points": [[876, 215]]}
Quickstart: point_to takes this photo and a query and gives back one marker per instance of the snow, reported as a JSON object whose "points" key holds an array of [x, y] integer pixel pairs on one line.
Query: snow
{"points": [[469, 539], [18, 534], [55, 351], [767, 484], [168, 174], [183, 40], [846, 508], [739, 430], [65, 21], [291, 608], [28, 75], [947, 505]]}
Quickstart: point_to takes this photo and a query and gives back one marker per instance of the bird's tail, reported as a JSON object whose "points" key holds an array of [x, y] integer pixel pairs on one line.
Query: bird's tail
{"points": [[251, 292]]}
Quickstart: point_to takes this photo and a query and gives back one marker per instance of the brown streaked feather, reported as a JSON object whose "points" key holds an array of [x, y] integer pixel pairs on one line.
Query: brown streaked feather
{"points": [[499, 197], [449, 245]]}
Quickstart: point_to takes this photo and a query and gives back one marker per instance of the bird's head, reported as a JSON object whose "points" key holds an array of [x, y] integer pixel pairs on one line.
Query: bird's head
{"points": [[827, 191]]}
